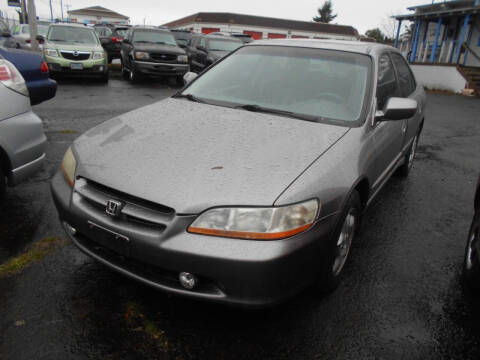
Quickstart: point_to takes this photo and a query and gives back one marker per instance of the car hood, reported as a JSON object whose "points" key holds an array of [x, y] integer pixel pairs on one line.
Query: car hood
{"points": [[73, 46], [192, 156], [166, 49]]}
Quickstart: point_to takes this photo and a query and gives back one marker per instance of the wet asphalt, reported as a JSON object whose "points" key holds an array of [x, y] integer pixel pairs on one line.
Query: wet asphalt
{"points": [[401, 297]]}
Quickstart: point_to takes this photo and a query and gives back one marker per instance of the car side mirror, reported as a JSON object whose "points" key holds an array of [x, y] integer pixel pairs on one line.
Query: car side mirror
{"points": [[40, 39], [397, 109], [126, 41], [189, 77]]}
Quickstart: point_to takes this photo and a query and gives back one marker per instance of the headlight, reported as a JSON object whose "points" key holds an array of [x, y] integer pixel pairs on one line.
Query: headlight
{"points": [[142, 55], [97, 55], [51, 52], [69, 165], [182, 58], [268, 223]]}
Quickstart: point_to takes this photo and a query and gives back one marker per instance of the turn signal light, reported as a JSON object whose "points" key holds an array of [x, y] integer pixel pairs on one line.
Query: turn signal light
{"points": [[44, 67]]}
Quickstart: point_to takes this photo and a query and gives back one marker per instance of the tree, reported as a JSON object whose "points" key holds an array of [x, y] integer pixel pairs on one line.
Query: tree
{"points": [[325, 13], [378, 35]]}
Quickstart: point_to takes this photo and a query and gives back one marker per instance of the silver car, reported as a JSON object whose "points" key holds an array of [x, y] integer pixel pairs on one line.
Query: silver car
{"points": [[22, 139], [249, 184], [21, 35]]}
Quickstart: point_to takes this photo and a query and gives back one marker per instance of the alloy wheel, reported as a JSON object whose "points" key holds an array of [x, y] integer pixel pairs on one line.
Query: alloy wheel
{"points": [[344, 242]]}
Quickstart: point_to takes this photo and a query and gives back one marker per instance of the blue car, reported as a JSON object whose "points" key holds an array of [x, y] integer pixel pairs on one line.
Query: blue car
{"points": [[35, 72]]}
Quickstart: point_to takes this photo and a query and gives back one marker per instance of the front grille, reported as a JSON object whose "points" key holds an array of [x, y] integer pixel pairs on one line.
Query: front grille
{"points": [[136, 211], [164, 57], [72, 55]]}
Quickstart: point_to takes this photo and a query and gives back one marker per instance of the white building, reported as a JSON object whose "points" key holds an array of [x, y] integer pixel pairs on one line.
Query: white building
{"points": [[260, 27], [97, 15]]}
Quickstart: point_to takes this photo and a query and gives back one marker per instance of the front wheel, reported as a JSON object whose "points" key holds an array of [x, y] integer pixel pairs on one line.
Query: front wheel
{"points": [[471, 265], [405, 168], [105, 77], [339, 248], [134, 76]]}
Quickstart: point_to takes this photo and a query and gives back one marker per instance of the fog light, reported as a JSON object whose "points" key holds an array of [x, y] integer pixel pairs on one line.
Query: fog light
{"points": [[69, 229], [188, 281]]}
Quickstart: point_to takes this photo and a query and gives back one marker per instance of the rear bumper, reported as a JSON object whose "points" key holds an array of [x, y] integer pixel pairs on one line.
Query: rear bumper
{"points": [[23, 139], [231, 271], [161, 69], [41, 90]]}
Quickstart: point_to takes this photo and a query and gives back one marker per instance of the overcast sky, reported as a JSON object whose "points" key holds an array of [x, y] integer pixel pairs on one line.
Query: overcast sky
{"points": [[363, 15]]}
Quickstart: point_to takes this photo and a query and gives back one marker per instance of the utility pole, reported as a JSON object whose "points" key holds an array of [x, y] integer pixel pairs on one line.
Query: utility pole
{"points": [[51, 11], [32, 21], [24, 12], [61, 7]]}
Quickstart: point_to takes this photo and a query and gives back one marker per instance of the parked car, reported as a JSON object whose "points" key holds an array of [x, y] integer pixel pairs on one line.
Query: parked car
{"points": [[152, 52], [471, 265], [249, 184], [182, 37], [21, 35], [244, 37], [35, 73], [6, 39], [111, 39], [204, 50], [22, 140], [75, 50]]}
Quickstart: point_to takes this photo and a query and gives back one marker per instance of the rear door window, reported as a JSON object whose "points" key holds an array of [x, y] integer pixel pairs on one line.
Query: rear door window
{"points": [[387, 86], [406, 80]]}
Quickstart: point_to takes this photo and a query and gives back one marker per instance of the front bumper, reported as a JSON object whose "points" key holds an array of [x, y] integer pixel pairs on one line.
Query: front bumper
{"points": [[24, 141], [231, 271], [59, 65], [160, 69]]}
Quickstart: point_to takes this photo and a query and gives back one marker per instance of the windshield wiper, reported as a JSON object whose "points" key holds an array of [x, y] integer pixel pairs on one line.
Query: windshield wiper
{"points": [[261, 109], [190, 97], [143, 41]]}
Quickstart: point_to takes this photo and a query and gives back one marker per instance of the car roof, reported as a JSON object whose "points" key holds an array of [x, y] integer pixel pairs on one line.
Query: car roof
{"points": [[341, 45], [222, 37], [80, 26]]}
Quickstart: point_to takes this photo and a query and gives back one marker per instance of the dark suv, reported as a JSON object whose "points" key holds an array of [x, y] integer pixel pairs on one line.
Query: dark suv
{"points": [[204, 50], [111, 37], [152, 52]]}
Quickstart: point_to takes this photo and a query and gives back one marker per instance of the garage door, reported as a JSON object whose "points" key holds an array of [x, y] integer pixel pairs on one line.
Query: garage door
{"points": [[276, 36], [209, 30], [256, 35]]}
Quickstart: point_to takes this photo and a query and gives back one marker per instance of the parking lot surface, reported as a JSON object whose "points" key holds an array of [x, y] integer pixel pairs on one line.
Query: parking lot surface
{"points": [[401, 296]]}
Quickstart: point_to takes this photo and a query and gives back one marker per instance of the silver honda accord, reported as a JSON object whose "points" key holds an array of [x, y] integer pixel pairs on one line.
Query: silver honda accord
{"points": [[249, 184]]}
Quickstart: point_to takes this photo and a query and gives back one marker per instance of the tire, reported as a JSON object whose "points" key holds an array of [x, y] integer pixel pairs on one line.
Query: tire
{"points": [[3, 183], [133, 76], [105, 77], [333, 263], [471, 265], [405, 168], [179, 80]]}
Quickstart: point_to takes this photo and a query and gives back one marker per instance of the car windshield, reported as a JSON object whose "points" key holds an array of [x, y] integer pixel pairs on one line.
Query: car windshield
{"points": [[121, 32], [154, 37], [72, 35], [223, 45], [326, 85], [41, 29]]}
